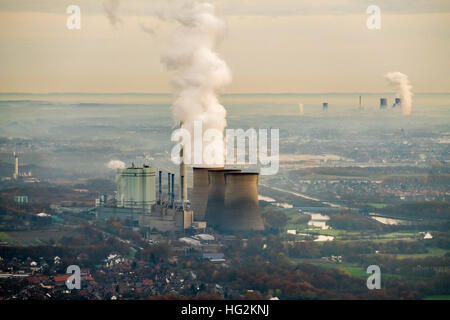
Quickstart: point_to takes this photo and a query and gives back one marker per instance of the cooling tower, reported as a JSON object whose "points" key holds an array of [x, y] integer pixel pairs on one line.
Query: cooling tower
{"points": [[325, 106], [241, 203], [215, 213], [383, 103], [200, 192]]}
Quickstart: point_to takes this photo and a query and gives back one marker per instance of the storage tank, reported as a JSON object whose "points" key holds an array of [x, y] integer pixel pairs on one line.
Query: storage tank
{"points": [[200, 192], [215, 213], [241, 203]]}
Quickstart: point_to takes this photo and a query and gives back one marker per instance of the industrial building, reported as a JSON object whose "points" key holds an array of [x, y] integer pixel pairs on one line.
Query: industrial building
{"points": [[231, 200], [200, 192], [136, 188], [225, 199], [383, 103], [397, 102]]}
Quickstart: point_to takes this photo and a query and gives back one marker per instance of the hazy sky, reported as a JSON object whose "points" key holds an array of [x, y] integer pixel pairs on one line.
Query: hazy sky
{"points": [[270, 46]]}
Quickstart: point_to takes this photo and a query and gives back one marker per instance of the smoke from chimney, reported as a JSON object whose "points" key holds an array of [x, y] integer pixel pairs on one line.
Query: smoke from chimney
{"points": [[198, 72], [403, 88]]}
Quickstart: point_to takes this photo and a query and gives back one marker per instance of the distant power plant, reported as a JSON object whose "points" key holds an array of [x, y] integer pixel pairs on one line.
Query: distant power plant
{"points": [[383, 103], [397, 102]]}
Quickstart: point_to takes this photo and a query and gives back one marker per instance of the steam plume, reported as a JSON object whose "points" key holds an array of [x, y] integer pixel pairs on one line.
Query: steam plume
{"points": [[116, 164], [198, 72], [401, 84], [300, 108], [111, 8]]}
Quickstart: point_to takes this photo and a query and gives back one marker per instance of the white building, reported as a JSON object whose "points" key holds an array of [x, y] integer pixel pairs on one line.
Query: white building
{"points": [[136, 188]]}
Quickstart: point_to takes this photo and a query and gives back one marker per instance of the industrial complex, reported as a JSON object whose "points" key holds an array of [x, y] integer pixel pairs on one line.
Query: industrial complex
{"points": [[223, 199]]}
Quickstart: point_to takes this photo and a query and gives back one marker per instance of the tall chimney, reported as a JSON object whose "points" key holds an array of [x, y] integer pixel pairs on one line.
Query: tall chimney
{"points": [[16, 166], [159, 186], [200, 192], [241, 203], [182, 191], [183, 176], [168, 187], [173, 193]]}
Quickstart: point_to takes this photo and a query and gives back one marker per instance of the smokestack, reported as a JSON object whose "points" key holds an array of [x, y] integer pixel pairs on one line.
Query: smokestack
{"points": [[159, 186], [325, 106], [200, 192], [183, 177], [173, 192], [215, 213], [383, 103], [241, 203], [168, 187], [16, 166], [182, 191]]}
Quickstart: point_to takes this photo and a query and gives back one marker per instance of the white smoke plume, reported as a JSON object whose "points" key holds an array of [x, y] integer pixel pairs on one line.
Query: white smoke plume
{"points": [[111, 8], [198, 71], [116, 164], [300, 109], [403, 88]]}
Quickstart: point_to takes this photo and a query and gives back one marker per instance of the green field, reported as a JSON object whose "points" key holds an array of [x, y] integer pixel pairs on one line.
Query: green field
{"points": [[5, 238], [432, 252], [437, 298], [378, 205]]}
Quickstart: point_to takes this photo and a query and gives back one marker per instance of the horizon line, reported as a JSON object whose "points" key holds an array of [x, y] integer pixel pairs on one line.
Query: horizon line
{"points": [[223, 94]]}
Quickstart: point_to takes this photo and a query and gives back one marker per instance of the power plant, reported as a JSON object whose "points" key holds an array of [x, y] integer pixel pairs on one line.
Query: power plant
{"points": [[224, 199], [383, 103], [397, 102]]}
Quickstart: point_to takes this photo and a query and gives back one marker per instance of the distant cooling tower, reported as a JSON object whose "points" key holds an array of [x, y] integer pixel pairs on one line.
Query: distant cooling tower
{"points": [[215, 210], [325, 106], [397, 102], [241, 203], [383, 103], [200, 192]]}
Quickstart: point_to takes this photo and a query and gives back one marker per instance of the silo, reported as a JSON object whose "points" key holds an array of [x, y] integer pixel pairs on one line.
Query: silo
{"points": [[241, 203], [200, 192], [215, 213]]}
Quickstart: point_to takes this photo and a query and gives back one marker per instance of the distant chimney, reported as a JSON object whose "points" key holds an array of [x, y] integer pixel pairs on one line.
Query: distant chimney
{"points": [[173, 192], [168, 187], [16, 166], [159, 187]]}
